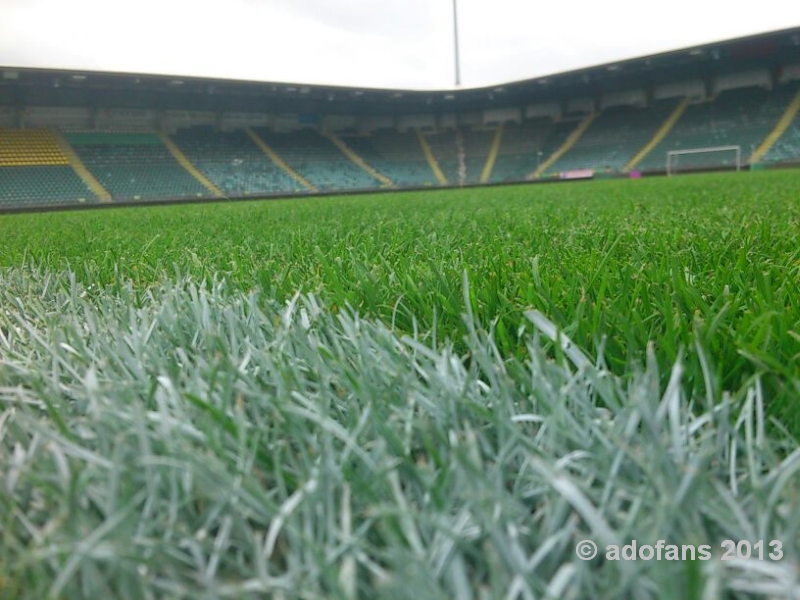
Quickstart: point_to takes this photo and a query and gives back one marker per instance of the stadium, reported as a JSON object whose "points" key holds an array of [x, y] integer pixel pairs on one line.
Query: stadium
{"points": [[77, 137], [476, 337]]}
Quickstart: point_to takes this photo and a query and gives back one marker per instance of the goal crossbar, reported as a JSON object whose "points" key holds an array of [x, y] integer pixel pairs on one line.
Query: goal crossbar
{"points": [[737, 149]]}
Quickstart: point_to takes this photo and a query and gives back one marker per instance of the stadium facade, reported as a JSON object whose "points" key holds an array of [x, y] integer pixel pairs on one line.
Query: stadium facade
{"points": [[78, 138]]}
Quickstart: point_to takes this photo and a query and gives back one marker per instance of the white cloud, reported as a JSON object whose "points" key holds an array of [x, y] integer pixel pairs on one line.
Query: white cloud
{"points": [[517, 39], [386, 43]]}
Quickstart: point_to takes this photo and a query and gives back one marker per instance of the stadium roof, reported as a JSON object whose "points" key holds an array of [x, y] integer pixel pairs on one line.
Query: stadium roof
{"points": [[53, 87]]}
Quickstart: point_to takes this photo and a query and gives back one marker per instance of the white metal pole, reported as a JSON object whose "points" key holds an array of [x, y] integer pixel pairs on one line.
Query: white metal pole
{"points": [[455, 40]]}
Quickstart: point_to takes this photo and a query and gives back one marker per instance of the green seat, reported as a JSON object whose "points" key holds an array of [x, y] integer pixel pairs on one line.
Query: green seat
{"points": [[735, 118], [42, 186], [397, 155], [135, 166], [318, 160], [787, 147], [522, 148], [232, 162], [614, 137]]}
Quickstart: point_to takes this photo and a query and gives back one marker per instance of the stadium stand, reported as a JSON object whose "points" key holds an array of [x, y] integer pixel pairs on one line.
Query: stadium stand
{"points": [[233, 162], [184, 162], [453, 146], [134, 166], [41, 185], [742, 117], [34, 170], [521, 149], [41, 165], [445, 148], [357, 160], [783, 143], [787, 147], [395, 154], [614, 137], [29, 147], [659, 135], [430, 157], [491, 159], [576, 130], [278, 161], [317, 159], [477, 143]]}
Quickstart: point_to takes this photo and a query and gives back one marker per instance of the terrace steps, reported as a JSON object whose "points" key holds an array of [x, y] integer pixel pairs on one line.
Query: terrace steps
{"points": [[492, 158], [432, 162], [662, 132], [190, 168], [568, 143], [275, 158], [780, 127], [357, 160], [80, 169]]}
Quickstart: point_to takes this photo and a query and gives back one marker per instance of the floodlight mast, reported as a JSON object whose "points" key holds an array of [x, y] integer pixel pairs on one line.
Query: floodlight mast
{"points": [[455, 40]]}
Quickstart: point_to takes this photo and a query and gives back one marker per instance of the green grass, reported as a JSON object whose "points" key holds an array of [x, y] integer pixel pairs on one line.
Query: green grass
{"points": [[176, 421], [711, 259]]}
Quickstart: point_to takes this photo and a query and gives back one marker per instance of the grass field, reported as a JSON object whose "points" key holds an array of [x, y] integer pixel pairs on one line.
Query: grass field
{"points": [[411, 395]]}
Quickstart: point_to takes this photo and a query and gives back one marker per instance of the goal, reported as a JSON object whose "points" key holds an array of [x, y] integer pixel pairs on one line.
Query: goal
{"points": [[727, 156]]}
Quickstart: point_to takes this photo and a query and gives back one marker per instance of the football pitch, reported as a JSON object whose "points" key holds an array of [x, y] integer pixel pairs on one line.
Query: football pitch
{"points": [[430, 394]]}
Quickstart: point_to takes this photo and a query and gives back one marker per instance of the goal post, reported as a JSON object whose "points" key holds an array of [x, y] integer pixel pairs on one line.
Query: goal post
{"points": [[673, 156]]}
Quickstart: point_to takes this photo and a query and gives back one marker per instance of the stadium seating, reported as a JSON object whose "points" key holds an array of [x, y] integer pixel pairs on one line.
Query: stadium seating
{"points": [[445, 148], [41, 185], [35, 171], [395, 154], [447, 144], [134, 166], [233, 162], [787, 147], [614, 137], [29, 147], [519, 149], [477, 144], [318, 160], [42, 167], [738, 117]]}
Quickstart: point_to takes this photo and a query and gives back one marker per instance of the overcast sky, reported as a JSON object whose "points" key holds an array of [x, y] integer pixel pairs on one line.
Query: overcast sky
{"points": [[370, 43]]}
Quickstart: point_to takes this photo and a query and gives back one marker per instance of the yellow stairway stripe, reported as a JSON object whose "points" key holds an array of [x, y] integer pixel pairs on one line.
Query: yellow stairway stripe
{"points": [[434, 165], [780, 127], [184, 162], [360, 162], [568, 143], [659, 135], [80, 169], [279, 162], [492, 158]]}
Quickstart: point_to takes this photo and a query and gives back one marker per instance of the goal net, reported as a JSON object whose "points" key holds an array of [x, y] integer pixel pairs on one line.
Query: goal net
{"points": [[704, 158]]}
